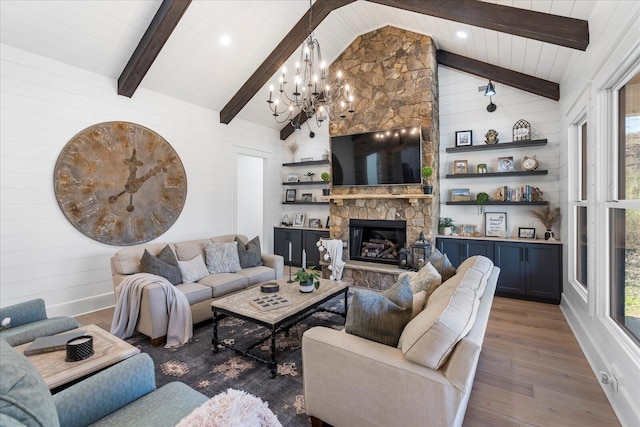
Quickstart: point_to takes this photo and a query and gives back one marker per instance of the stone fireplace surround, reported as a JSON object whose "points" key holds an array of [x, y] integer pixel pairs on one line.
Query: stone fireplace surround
{"points": [[394, 73]]}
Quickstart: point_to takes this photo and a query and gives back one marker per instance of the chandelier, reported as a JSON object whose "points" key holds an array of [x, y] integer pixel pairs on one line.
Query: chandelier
{"points": [[312, 94]]}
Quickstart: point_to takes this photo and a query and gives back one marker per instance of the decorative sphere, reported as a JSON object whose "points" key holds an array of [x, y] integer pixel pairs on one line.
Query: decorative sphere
{"points": [[319, 243], [326, 257], [330, 267]]}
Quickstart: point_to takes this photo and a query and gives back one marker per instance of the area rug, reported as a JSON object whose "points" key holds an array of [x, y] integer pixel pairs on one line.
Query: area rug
{"points": [[213, 373]]}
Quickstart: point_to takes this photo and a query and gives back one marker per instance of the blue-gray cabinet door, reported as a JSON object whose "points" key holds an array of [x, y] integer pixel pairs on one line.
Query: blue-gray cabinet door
{"points": [[510, 257]]}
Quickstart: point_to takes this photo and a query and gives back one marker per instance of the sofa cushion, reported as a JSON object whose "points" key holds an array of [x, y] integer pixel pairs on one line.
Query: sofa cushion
{"points": [[224, 283], [127, 260], [441, 263], [24, 396], [189, 249], [195, 292], [480, 263], [425, 279], [17, 335], [193, 270], [250, 255], [419, 300], [430, 337], [259, 274], [381, 316], [222, 257], [164, 264]]}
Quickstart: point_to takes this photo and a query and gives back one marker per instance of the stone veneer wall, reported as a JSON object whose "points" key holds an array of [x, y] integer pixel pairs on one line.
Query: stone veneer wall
{"points": [[394, 73]]}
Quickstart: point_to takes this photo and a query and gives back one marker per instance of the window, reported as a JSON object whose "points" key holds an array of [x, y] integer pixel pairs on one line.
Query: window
{"points": [[581, 209], [624, 218]]}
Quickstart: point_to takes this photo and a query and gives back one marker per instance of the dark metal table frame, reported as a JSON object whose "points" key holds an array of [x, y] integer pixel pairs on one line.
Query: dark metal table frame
{"points": [[275, 328]]}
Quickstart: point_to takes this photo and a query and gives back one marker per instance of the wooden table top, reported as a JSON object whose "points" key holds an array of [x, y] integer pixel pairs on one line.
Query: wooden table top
{"points": [[108, 350]]}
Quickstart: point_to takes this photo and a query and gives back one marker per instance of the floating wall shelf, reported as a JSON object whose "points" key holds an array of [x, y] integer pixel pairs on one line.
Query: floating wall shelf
{"points": [[498, 146]]}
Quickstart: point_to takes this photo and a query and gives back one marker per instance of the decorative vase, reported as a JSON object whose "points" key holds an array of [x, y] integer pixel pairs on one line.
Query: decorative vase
{"points": [[326, 191], [447, 231], [428, 189], [306, 286], [548, 235]]}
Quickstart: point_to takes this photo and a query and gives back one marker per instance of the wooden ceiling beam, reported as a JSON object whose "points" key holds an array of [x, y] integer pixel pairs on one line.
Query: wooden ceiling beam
{"points": [[164, 22], [292, 41], [545, 27], [505, 76]]}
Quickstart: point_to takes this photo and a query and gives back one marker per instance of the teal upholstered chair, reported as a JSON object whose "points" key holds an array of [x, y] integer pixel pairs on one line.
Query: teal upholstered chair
{"points": [[29, 321], [123, 395]]}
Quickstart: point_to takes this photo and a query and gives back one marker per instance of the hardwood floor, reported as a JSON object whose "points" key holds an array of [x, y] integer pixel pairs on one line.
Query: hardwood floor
{"points": [[531, 372]]}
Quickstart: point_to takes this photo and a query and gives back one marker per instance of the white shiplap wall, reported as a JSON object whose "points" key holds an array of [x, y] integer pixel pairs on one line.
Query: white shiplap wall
{"points": [[463, 107], [44, 103]]}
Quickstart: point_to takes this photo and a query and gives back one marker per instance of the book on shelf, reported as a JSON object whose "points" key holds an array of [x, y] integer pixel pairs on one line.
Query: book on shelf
{"points": [[51, 343], [519, 194]]}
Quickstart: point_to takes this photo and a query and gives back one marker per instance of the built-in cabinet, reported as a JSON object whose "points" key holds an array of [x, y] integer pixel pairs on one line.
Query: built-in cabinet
{"points": [[528, 270], [300, 238]]}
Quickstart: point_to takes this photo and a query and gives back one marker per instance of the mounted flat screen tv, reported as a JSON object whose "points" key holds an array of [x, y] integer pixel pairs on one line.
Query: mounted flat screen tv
{"points": [[377, 158]]}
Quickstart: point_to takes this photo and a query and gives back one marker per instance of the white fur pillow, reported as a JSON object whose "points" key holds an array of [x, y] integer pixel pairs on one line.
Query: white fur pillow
{"points": [[193, 270]]}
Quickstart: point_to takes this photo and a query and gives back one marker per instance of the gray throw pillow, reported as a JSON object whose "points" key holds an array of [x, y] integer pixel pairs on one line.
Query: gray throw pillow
{"points": [[222, 257], [164, 264], [441, 263], [250, 255], [381, 316]]}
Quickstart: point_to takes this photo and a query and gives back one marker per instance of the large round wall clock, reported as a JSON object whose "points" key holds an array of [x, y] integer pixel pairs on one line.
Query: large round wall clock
{"points": [[120, 183]]}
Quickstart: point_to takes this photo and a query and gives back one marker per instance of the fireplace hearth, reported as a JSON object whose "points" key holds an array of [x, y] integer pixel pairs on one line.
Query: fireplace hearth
{"points": [[376, 240]]}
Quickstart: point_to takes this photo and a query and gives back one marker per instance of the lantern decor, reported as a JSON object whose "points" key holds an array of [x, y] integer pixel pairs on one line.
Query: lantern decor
{"points": [[405, 258], [421, 251]]}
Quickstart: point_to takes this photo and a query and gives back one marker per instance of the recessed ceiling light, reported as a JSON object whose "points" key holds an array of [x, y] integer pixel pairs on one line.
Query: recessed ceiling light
{"points": [[461, 34], [225, 40]]}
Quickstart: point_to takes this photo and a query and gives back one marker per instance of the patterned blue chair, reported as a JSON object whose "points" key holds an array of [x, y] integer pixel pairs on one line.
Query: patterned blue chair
{"points": [[29, 321], [123, 395]]}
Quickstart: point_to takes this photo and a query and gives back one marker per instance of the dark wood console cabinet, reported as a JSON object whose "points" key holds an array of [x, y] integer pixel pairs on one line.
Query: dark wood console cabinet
{"points": [[300, 238], [531, 271]]}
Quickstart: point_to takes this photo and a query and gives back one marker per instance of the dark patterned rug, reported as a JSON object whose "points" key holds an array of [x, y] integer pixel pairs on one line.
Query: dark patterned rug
{"points": [[211, 373]]}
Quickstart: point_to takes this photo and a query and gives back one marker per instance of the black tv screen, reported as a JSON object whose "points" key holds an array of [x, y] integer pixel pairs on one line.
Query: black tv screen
{"points": [[377, 158]]}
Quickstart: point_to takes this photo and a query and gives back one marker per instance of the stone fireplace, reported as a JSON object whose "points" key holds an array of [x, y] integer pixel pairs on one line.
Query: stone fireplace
{"points": [[376, 240], [394, 73]]}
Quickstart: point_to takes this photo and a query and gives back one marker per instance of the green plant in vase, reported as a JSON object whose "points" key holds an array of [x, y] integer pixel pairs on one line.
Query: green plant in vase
{"points": [[447, 226], [426, 173], [480, 199], [308, 279]]}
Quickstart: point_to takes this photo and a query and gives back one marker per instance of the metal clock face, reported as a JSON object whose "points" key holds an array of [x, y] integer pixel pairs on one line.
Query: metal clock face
{"points": [[120, 183], [529, 163]]}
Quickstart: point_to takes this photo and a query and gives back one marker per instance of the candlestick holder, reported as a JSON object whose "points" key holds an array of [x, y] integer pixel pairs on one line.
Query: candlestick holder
{"points": [[289, 281]]}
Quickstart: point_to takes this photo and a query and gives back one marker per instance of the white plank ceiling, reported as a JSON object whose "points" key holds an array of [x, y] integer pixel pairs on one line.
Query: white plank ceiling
{"points": [[193, 66]]}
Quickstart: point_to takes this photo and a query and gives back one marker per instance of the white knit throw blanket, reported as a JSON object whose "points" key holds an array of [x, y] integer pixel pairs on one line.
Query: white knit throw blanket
{"points": [[334, 249], [128, 296]]}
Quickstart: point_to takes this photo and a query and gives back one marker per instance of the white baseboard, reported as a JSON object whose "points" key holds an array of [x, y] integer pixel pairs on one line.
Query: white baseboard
{"points": [[82, 306]]}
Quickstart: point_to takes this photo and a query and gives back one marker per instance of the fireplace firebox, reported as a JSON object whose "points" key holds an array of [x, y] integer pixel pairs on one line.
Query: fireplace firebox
{"points": [[375, 240]]}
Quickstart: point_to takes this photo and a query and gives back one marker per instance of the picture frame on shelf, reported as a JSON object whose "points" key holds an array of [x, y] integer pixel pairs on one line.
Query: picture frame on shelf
{"points": [[460, 195], [298, 220], [293, 177], [290, 195], [306, 159], [526, 233], [495, 224], [469, 229], [315, 223], [521, 131], [505, 164], [464, 138], [460, 167], [306, 197]]}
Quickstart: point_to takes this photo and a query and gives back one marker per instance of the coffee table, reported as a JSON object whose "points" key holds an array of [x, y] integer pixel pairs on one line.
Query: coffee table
{"points": [[302, 305], [108, 350]]}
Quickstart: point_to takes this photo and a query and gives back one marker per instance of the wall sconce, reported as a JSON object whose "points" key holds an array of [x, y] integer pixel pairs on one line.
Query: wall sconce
{"points": [[490, 91]]}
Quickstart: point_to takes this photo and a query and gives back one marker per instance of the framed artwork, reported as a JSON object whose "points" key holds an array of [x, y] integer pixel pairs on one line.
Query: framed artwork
{"points": [[481, 168], [469, 230], [521, 130], [464, 138], [291, 195], [307, 197], [460, 195], [526, 233], [495, 224], [315, 222], [460, 167], [293, 177], [298, 220], [505, 164]]}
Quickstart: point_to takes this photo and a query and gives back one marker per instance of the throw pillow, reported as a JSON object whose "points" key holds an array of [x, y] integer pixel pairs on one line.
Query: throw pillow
{"points": [[222, 257], [426, 279], [164, 264], [441, 262], [250, 255], [381, 316], [193, 270]]}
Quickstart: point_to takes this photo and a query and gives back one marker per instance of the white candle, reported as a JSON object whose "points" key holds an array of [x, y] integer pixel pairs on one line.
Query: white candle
{"points": [[304, 259], [289, 251]]}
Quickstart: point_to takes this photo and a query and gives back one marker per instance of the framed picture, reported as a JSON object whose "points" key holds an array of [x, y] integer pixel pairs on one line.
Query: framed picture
{"points": [[481, 168], [298, 220], [460, 167], [293, 177], [315, 222], [306, 159], [505, 164], [495, 224], [291, 195], [469, 230], [526, 233], [460, 195], [521, 130], [464, 138], [307, 197]]}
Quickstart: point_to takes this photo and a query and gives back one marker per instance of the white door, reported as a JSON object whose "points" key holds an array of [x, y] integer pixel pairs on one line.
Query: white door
{"points": [[250, 196]]}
